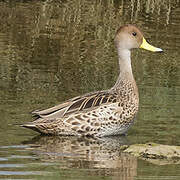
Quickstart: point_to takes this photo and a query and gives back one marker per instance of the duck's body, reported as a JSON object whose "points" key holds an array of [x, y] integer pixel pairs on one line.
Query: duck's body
{"points": [[101, 113]]}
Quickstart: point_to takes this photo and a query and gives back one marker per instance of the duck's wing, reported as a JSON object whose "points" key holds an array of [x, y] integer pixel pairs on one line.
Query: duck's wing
{"points": [[77, 104]]}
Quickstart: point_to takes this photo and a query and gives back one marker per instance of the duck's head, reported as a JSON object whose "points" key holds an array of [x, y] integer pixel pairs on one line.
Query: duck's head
{"points": [[130, 37]]}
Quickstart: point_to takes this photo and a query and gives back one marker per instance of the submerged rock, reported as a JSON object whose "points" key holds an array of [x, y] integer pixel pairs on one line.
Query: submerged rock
{"points": [[155, 153]]}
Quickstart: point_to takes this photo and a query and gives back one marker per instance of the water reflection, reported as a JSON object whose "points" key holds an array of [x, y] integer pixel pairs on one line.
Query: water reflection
{"points": [[97, 156]]}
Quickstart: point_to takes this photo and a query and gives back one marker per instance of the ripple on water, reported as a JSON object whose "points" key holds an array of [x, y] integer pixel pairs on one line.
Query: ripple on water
{"points": [[3, 159], [18, 161], [24, 173], [14, 146]]}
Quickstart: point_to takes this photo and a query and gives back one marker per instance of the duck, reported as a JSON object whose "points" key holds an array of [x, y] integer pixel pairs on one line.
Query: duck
{"points": [[101, 113]]}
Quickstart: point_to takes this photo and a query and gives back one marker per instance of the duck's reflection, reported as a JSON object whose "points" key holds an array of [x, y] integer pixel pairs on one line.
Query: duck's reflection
{"points": [[97, 156]]}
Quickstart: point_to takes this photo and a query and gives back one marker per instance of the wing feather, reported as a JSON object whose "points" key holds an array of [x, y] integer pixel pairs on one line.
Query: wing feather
{"points": [[78, 104]]}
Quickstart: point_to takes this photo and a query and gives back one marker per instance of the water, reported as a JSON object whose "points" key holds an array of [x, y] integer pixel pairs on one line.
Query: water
{"points": [[51, 51]]}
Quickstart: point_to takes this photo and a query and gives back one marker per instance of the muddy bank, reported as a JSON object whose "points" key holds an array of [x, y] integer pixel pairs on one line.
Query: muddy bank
{"points": [[155, 153]]}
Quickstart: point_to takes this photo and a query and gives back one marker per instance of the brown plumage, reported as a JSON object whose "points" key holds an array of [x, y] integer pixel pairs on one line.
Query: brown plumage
{"points": [[101, 113]]}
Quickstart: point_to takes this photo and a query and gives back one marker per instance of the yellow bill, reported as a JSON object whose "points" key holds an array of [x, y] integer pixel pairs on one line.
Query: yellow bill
{"points": [[147, 46]]}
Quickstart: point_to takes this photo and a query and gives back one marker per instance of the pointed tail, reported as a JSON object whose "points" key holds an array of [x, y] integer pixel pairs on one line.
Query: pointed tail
{"points": [[32, 127]]}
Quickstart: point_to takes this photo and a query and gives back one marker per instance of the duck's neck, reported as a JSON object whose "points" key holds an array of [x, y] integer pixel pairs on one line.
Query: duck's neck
{"points": [[125, 74]]}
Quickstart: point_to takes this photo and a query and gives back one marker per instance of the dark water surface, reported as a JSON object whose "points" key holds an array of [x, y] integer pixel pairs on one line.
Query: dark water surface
{"points": [[53, 50]]}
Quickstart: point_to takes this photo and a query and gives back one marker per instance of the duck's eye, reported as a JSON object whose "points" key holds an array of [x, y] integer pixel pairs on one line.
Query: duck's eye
{"points": [[134, 33]]}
